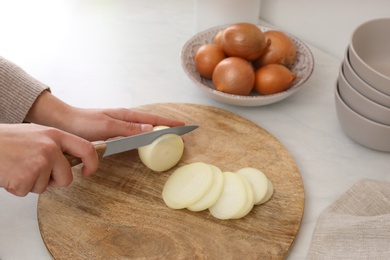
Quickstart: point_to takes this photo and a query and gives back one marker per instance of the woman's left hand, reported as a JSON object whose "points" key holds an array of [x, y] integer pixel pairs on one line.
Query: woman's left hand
{"points": [[102, 124], [93, 124]]}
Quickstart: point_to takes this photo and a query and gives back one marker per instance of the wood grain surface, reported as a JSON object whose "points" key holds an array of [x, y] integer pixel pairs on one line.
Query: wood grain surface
{"points": [[118, 213]]}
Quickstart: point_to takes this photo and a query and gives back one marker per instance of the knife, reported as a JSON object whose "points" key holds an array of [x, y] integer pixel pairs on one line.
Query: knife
{"points": [[114, 146]]}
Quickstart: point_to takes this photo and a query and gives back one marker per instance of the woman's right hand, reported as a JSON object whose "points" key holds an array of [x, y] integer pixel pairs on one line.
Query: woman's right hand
{"points": [[32, 158]]}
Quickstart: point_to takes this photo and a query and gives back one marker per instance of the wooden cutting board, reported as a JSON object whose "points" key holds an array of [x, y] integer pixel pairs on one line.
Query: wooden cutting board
{"points": [[118, 212]]}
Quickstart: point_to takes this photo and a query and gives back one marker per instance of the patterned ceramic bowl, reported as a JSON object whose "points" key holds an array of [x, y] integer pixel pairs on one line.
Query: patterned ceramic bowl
{"points": [[302, 67]]}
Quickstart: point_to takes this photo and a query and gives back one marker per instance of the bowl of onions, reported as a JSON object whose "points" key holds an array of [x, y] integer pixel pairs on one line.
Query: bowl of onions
{"points": [[247, 65]]}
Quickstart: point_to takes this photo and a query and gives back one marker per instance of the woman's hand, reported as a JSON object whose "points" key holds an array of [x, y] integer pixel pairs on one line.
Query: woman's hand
{"points": [[93, 124], [102, 124], [31, 157]]}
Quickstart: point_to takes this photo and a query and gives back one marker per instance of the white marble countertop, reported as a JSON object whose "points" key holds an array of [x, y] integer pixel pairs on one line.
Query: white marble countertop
{"points": [[125, 54]]}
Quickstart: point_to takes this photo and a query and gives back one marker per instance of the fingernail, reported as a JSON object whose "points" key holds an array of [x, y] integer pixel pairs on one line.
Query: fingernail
{"points": [[146, 128]]}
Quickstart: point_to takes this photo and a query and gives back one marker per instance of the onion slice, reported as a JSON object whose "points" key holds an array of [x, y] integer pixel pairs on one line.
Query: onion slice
{"points": [[233, 198], [268, 195], [187, 185], [213, 194], [249, 201], [258, 180]]}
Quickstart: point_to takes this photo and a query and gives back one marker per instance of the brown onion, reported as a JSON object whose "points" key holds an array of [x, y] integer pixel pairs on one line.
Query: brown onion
{"points": [[273, 78], [244, 40], [234, 75], [207, 57], [282, 50], [218, 38]]}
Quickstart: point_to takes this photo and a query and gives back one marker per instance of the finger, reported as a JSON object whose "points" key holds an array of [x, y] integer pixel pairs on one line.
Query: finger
{"points": [[40, 184], [82, 149], [133, 122], [143, 118], [61, 175], [123, 128]]}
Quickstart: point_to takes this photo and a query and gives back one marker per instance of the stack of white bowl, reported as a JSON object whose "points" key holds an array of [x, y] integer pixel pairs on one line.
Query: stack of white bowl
{"points": [[363, 86]]}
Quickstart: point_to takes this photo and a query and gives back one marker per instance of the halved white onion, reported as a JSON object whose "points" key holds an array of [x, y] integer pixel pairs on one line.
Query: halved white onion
{"points": [[163, 153]]}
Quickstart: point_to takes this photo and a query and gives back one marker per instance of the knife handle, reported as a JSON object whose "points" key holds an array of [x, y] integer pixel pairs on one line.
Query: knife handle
{"points": [[100, 147]]}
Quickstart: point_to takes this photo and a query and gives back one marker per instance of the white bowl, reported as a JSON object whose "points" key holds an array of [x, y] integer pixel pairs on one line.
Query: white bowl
{"points": [[361, 86], [364, 131], [303, 67], [369, 53], [362, 105]]}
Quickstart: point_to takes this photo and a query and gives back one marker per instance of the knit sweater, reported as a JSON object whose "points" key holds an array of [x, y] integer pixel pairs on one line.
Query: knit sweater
{"points": [[18, 92]]}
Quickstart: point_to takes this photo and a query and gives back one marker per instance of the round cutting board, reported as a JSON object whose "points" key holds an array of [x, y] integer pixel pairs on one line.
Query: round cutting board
{"points": [[118, 212]]}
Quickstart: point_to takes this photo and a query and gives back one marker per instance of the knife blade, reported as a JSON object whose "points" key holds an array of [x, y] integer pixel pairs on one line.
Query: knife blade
{"points": [[119, 145]]}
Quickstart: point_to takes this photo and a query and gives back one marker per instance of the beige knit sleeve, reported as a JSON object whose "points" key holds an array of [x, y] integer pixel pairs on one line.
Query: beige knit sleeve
{"points": [[18, 92]]}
